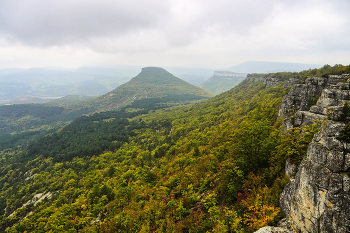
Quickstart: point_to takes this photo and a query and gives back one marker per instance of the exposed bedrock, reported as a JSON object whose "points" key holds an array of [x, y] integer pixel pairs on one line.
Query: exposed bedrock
{"points": [[317, 198]]}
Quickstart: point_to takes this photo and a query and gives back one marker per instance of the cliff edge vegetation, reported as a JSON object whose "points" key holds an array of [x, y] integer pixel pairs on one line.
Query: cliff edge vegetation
{"points": [[213, 166]]}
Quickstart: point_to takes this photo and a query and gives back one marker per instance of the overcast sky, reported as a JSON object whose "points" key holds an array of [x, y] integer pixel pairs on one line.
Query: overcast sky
{"points": [[193, 33]]}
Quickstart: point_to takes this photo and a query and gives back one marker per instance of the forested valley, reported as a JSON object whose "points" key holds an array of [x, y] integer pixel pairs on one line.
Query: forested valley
{"points": [[152, 88], [154, 166]]}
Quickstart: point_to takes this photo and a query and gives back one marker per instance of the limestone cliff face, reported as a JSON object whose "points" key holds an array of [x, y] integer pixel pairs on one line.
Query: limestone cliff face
{"points": [[317, 199], [302, 96], [269, 81]]}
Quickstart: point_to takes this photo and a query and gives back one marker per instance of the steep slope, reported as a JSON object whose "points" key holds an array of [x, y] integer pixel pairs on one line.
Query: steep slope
{"points": [[223, 81], [169, 169], [152, 82], [317, 198], [214, 166]]}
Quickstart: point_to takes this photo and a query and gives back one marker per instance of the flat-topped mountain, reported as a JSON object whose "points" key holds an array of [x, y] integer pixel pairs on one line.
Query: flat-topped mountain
{"points": [[151, 82], [223, 81]]}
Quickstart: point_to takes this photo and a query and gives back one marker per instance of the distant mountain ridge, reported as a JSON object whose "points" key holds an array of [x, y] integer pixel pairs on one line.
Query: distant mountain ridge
{"points": [[223, 81], [154, 88], [151, 82], [54, 82], [270, 67]]}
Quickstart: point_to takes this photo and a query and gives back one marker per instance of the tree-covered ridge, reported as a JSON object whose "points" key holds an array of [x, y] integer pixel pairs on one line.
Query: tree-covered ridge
{"points": [[179, 172], [321, 72], [215, 166], [152, 82], [68, 100], [23, 123], [30, 109], [90, 135]]}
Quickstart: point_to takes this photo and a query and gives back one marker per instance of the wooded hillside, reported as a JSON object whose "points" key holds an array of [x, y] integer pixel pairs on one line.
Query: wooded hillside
{"points": [[214, 166]]}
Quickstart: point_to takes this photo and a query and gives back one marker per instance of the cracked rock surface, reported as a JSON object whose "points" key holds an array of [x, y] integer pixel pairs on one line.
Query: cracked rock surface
{"points": [[273, 230], [317, 198]]}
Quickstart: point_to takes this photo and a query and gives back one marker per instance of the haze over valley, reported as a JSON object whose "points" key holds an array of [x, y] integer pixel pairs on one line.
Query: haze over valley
{"points": [[40, 85]]}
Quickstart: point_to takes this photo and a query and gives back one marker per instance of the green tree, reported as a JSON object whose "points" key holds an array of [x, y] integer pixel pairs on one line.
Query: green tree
{"points": [[252, 144]]}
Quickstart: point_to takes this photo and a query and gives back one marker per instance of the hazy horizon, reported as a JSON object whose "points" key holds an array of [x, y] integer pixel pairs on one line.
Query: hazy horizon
{"points": [[135, 67]]}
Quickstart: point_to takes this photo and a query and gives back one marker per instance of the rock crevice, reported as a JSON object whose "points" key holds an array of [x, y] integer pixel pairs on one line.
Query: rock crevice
{"points": [[317, 198]]}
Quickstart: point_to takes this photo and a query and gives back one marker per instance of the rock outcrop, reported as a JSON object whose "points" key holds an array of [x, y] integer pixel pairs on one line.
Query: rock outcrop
{"points": [[290, 82], [328, 93], [317, 198], [269, 81], [273, 230], [36, 199], [302, 96]]}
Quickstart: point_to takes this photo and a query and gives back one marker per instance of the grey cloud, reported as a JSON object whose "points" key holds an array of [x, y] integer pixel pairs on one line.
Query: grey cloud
{"points": [[239, 16], [173, 31], [42, 22], [220, 17], [57, 22]]}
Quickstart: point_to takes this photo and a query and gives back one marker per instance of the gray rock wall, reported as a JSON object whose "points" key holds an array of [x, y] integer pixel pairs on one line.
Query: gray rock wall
{"points": [[303, 96], [317, 198], [269, 81]]}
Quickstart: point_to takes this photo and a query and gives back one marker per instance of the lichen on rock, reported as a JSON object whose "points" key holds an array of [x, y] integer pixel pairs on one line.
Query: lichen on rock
{"points": [[317, 198]]}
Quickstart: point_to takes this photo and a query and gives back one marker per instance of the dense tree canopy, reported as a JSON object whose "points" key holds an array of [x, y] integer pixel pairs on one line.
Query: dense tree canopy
{"points": [[214, 166]]}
